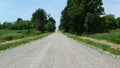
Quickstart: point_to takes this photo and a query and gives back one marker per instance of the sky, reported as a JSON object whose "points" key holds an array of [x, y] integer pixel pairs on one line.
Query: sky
{"points": [[10, 10]]}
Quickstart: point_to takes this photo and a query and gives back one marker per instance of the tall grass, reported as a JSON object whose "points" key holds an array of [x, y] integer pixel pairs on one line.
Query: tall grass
{"points": [[8, 35], [112, 36]]}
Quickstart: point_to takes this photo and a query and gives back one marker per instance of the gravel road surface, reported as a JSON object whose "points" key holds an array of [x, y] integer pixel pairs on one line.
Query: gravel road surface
{"points": [[56, 51]]}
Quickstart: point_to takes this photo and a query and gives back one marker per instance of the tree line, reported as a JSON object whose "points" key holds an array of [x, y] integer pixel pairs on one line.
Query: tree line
{"points": [[40, 20], [86, 16]]}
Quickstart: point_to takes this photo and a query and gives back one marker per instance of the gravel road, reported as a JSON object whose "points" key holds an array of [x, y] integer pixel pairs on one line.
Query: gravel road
{"points": [[56, 51]]}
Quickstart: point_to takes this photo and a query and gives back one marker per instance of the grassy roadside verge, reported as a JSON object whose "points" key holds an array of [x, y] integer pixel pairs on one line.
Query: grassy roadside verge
{"points": [[9, 35], [111, 36], [97, 45], [18, 43]]}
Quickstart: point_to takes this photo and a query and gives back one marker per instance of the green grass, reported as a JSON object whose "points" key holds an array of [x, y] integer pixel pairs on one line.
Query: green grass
{"points": [[111, 36], [8, 35], [97, 45], [11, 45]]}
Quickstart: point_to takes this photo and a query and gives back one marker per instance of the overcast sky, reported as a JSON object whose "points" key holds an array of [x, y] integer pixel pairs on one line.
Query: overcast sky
{"points": [[10, 10]]}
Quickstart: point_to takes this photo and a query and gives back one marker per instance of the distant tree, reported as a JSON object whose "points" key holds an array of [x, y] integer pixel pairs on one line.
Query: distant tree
{"points": [[39, 17], [15, 26], [65, 22], [0, 25], [7, 25], [52, 20], [118, 20], [27, 25], [48, 15], [110, 21], [24, 24], [50, 27], [19, 20]]}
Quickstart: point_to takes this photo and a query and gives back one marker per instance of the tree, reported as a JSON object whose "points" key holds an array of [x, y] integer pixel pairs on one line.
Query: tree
{"points": [[51, 19], [110, 21], [65, 21], [78, 14], [118, 20], [39, 17], [0, 25], [24, 24], [19, 20], [7, 25], [28, 25], [50, 27]]}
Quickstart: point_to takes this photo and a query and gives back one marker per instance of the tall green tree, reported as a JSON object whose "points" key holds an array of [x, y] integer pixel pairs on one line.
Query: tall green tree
{"points": [[81, 16], [0, 25], [39, 17], [7, 25], [51, 19], [118, 20], [65, 21], [50, 27], [19, 20], [110, 21]]}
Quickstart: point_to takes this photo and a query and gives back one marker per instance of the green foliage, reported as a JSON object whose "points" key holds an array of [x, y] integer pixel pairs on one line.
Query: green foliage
{"points": [[110, 21], [8, 38], [52, 20], [0, 25], [81, 16], [118, 20], [39, 17], [50, 27], [7, 35], [19, 20], [42, 23], [7, 25], [23, 24], [39, 20], [112, 36]]}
